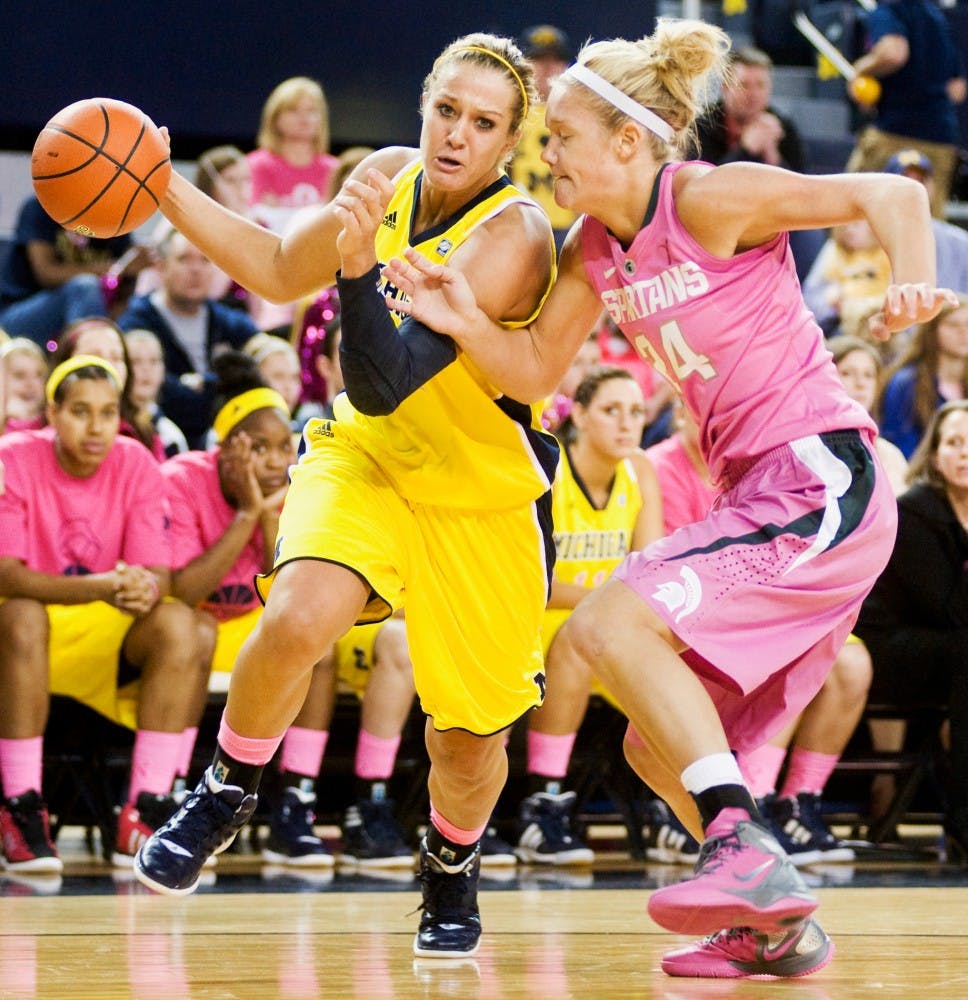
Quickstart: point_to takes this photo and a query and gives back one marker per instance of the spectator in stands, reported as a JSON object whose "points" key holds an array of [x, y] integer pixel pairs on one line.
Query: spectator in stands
{"points": [[932, 370], [951, 242], [225, 507], [23, 371], [292, 166], [558, 407], [103, 338], [605, 502], [279, 366], [922, 76], [51, 277], [316, 334], [191, 327], [657, 392], [849, 275], [84, 574], [743, 125], [145, 379], [915, 620], [549, 52], [859, 367], [223, 174]]}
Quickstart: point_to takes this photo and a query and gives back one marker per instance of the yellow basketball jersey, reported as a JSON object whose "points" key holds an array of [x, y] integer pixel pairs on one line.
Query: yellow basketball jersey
{"points": [[455, 441], [590, 543], [531, 174]]}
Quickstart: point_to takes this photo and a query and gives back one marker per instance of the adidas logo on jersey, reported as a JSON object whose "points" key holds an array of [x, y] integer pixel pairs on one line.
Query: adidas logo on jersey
{"points": [[390, 220]]}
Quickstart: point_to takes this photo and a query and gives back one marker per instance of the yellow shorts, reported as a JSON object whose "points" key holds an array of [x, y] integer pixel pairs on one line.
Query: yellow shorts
{"points": [[474, 582], [354, 658], [85, 652], [552, 621], [231, 635]]}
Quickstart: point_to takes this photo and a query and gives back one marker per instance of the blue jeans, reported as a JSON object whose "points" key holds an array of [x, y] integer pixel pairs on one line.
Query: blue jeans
{"points": [[42, 316]]}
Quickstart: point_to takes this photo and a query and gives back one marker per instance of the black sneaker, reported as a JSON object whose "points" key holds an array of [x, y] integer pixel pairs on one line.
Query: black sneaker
{"points": [[495, 850], [450, 925], [25, 830], [206, 823], [666, 839], [372, 838], [545, 837], [292, 839], [798, 825]]}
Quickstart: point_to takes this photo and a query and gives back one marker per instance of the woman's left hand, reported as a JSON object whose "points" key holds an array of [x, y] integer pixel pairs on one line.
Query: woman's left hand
{"points": [[907, 305], [360, 207]]}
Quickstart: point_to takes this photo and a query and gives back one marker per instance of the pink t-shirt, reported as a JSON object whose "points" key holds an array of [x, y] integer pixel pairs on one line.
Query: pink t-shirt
{"points": [[60, 524], [200, 515], [686, 498], [279, 188], [733, 335]]}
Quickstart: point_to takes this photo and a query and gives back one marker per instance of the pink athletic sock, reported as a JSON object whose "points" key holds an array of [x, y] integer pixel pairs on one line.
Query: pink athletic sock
{"points": [[21, 765], [808, 772], [246, 749], [189, 736], [549, 755], [302, 751], [154, 762], [375, 756], [454, 833], [761, 768]]}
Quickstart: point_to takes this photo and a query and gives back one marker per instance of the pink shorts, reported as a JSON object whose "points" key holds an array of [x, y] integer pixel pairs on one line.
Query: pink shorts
{"points": [[767, 588]]}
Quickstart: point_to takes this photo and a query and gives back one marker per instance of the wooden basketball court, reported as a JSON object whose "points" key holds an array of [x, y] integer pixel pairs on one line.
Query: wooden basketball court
{"points": [[900, 931]]}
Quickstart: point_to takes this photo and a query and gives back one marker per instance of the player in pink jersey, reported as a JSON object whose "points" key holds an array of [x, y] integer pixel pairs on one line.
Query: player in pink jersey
{"points": [[84, 559], [693, 263], [225, 517]]}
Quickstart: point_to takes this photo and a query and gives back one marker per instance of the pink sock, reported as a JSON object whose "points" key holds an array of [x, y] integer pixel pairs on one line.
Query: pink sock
{"points": [[247, 749], [761, 768], [302, 751], [154, 762], [549, 755], [375, 756], [21, 765], [454, 833], [187, 747], [808, 772]]}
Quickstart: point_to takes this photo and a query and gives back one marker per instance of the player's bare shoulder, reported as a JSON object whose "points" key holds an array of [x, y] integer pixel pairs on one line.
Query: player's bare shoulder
{"points": [[389, 160]]}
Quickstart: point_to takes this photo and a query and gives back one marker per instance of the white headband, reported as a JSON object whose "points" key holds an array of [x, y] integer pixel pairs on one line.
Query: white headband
{"points": [[620, 100]]}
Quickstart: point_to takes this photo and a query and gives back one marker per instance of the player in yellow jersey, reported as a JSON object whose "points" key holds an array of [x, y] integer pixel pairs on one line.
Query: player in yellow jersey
{"points": [[429, 485], [606, 502]]}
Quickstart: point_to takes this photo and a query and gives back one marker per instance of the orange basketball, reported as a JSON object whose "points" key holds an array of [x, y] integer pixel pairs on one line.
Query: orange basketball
{"points": [[100, 167]]}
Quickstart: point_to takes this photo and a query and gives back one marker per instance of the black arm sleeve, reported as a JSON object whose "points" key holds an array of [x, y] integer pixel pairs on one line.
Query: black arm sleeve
{"points": [[382, 365]]}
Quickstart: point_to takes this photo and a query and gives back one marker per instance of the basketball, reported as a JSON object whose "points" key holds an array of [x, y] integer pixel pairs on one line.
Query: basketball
{"points": [[100, 167], [865, 89]]}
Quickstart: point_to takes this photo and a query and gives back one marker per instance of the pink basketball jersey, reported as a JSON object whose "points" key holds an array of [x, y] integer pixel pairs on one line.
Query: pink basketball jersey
{"points": [[733, 336]]}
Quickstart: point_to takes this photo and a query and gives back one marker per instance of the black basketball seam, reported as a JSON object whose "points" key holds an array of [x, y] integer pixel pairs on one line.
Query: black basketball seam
{"points": [[121, 167]]}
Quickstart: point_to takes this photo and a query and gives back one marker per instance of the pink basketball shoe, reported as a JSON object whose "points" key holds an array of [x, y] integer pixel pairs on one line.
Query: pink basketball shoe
{"points": [[744, 953], [742, 879]]}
